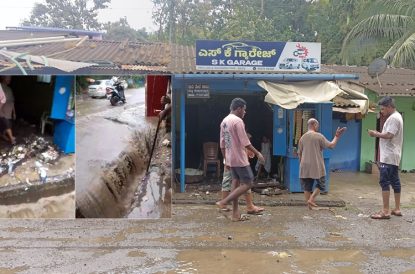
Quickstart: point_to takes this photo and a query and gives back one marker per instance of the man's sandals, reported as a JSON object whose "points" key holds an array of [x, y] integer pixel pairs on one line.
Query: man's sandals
{"points": [[380, 216]]}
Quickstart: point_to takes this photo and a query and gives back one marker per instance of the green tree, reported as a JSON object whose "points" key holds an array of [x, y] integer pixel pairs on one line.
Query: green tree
{"points": [[121, 30], [394, 26], [70, 14], [329, 26]]}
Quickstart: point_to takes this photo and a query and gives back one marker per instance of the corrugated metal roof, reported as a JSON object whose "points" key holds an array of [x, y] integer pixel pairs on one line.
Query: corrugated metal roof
{"points": [[139, 57], [6, 35], [394, 81]]}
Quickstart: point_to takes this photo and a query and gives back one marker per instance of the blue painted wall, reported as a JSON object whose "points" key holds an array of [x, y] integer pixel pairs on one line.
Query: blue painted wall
{"points": [[346, 155]]}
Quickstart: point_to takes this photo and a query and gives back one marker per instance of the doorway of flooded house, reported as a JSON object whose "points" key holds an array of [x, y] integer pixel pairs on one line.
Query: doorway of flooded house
{"points": [[203, 118]]}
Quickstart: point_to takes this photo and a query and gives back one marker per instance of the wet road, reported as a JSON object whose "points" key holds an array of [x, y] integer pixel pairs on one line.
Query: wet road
{"points": [[86, 105], [103, 131], [111, 154], [199, 240]]}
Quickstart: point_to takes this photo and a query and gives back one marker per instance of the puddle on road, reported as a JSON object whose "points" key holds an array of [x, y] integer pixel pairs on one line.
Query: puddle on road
{"points": [[336, 237], [4, 270], [62, 206], [20, 229], [136, 253], [153, 198], [293, 261], [400, 253]]}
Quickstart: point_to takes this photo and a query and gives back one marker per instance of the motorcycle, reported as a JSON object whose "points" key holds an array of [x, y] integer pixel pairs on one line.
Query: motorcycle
{"points": [[116, 93]]}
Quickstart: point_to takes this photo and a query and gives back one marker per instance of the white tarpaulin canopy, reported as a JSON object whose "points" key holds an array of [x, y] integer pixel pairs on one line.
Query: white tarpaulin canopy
{"points": [[290, 95]]}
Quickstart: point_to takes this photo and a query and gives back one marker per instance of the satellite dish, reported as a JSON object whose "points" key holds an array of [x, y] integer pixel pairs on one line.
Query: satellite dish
{"points": [[376, 68]]}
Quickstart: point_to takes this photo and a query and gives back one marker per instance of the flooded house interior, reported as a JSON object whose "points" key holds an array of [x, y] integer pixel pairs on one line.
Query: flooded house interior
{"points": [[203, 118]]}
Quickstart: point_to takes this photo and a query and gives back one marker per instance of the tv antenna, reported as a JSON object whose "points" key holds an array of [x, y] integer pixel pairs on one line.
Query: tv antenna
{"points": [[376, 68]]}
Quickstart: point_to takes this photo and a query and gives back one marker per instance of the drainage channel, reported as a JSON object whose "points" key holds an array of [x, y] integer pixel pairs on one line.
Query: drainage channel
{"points": [[53, 199], [124, 190]]}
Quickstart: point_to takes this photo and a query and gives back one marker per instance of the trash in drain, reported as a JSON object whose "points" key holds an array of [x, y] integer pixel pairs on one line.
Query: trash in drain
{"points": [[34, 146]]}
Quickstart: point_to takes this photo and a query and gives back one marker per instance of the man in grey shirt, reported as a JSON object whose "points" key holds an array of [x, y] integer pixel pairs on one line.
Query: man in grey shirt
{"points": [[390, 148], [310, 153]]}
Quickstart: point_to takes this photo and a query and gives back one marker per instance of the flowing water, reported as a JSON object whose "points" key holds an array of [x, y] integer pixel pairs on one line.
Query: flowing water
{"points": [[124, 186], [62, 206]]}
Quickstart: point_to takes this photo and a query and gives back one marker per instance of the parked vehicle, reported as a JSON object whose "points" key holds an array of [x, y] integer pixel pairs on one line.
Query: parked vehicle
{"points": [[290, 63], [310, 64], [99, 87], [115, 93], [240, 46]]}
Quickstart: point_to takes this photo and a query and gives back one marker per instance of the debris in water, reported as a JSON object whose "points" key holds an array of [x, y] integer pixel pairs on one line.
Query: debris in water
{"points": [[207, 192], [50, 155], [33, 146], [279, 254], [307, 218], [10, 169], [230, 237], [335, 234], [42, 175], [265, 191], [340, 217]]}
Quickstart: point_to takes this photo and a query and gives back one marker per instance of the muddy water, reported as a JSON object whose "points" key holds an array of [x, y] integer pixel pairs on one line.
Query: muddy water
{"points": [[111, 194], [278, 261], [62, 206], [123, 189], [153, 198], [112, 150]]}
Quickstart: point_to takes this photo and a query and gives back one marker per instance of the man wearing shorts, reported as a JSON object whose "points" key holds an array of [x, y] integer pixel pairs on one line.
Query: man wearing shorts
{"points": [[390, 148], [310, 153], [251, 208], [233, 143]]}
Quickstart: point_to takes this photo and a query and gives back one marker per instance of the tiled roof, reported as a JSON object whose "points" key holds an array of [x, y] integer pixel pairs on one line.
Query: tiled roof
{"points": [[138, 57], [394, 81]]}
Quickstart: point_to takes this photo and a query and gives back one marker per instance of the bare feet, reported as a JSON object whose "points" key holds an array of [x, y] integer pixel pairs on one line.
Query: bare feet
{"points": [[220, 205], [311, 204], [241, 218], [396, 212], [254, 210]]}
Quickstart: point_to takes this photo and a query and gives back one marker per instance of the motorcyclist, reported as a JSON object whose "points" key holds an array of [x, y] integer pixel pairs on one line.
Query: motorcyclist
{"points": [[120, 89]]}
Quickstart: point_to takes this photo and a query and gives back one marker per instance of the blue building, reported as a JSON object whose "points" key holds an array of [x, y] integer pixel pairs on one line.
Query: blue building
{"points": [[201, 101]]}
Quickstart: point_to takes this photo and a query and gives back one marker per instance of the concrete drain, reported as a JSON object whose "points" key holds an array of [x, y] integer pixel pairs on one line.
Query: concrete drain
{"points": [[119, 189]]}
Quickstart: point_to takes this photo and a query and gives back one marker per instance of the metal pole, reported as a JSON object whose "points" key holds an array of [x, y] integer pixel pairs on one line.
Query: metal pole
{"points": [[182, 139]]}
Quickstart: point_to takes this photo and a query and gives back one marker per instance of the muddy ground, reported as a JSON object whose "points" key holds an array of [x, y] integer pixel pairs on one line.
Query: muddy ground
{"points": [[112, 152], [285, 239]]}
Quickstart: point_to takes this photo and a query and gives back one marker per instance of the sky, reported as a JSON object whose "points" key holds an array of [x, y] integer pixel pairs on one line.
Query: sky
{"points": [[138, 12]]}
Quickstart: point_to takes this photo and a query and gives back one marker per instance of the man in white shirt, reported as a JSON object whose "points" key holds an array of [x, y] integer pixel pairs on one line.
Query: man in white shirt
{"points": [[390, 148]]}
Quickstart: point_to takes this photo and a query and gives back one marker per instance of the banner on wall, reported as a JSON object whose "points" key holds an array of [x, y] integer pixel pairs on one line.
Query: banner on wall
{"points": [[258, 56]]}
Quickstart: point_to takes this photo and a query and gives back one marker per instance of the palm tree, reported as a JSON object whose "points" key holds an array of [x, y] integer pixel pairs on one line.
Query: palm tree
{"points": [[396, 25]]}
